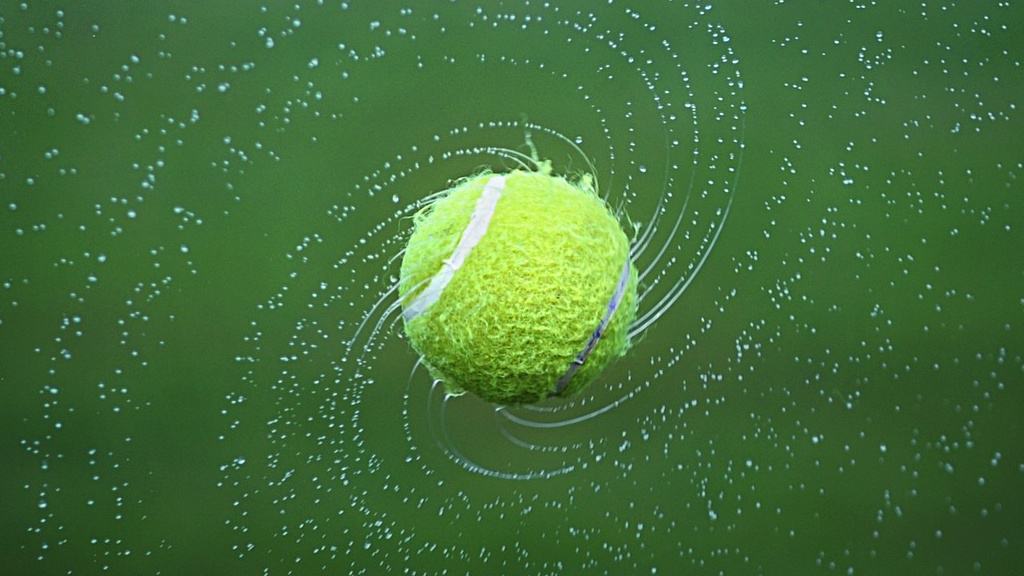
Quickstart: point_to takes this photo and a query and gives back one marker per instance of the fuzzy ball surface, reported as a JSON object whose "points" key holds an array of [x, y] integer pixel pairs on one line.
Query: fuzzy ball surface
{"points": [[522, 304]]}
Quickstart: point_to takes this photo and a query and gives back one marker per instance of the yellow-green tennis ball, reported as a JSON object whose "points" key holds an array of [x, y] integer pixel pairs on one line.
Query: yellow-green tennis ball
{"points": [[517, 287]]}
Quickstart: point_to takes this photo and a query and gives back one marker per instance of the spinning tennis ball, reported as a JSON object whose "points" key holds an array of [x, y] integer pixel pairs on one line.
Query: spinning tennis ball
{"points": [[517, 287]]}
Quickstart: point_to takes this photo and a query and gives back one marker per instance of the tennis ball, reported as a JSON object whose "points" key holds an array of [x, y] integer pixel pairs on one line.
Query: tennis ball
{"points": [[517, 287]]}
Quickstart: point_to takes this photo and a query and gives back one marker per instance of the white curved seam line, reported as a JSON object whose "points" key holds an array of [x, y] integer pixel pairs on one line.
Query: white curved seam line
{"points": [[471, 236]]}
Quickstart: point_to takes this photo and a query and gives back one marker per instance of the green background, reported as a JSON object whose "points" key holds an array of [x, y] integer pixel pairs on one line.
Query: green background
{"points": [[202, 203]]}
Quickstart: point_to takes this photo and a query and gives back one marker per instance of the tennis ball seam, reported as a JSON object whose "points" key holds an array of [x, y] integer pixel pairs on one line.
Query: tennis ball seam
{"points": [[479, 222]]}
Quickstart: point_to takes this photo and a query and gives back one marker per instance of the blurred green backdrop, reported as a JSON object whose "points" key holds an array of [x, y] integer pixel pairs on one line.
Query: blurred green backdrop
{"points": [[202, 202]]}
